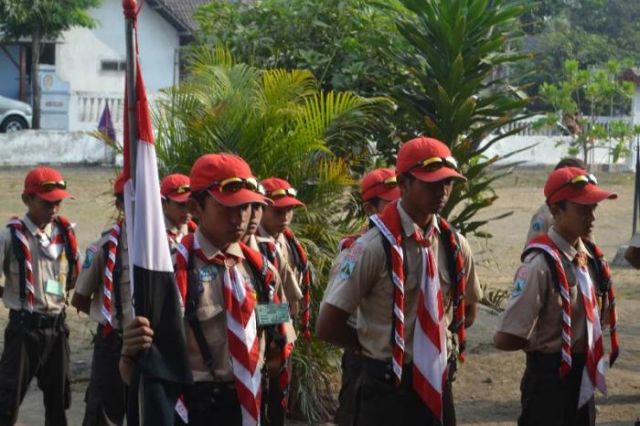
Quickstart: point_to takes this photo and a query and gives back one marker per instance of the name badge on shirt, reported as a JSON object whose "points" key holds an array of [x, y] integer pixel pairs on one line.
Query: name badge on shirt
{"points": [[54, 287], [272, 313]]}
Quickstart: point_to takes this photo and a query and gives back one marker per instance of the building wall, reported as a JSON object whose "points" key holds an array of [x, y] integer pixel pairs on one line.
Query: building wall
{"points": [[79, 55], [9, 73]]}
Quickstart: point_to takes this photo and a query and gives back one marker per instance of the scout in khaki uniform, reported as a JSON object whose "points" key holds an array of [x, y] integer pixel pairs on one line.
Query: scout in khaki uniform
{"points": [[412, 280], [39, 258], [377, 189], [224, 284], [553, 313], [280, 339], [175, 190], [543, 219], [274, 225], [106, 266]]}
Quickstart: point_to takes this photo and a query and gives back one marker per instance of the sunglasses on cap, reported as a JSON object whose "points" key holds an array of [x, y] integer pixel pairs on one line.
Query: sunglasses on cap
{"points": [[434, 163], [390, 182], [283, 193], [261, 190], [51, 185], [577, 182], [235, 184], [182, 189]]}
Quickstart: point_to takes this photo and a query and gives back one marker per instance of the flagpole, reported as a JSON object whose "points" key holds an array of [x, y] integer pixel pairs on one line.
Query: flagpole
{"points": [[130, 9]]}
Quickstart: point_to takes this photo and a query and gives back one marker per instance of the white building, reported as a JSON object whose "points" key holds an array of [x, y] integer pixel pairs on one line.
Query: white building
{"points": [[85, 68]]}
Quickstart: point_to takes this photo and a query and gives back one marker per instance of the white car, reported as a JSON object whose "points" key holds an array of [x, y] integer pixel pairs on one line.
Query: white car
{"points": [[14, 115]]}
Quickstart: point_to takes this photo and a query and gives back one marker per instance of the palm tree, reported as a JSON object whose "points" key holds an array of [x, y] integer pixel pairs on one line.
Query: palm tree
{"points": [[457, 87], [283, 126]]}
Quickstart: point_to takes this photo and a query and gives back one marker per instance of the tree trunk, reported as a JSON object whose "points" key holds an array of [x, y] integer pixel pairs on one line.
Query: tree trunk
{"points": [[35, 81]]}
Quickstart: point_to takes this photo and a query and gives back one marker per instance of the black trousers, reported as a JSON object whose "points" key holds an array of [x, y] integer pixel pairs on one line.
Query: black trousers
{"points": [[35, 345], [351, 367], [106, 394], [380, 402], [275, 413], [212, 404], [550, 400]]}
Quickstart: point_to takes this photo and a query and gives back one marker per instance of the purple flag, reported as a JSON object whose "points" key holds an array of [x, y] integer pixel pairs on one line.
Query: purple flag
{"points": [[105, 126]]}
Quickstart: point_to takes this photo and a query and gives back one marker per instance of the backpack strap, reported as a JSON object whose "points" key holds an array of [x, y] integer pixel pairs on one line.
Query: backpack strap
{"points": [[20, 258], [191, 306]]}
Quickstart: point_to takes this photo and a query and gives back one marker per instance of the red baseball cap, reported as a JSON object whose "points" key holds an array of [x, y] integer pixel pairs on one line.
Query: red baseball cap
{"points": [[46, 183], [427, 159], [227, 177], [575, 185], [176, 187], [381, 183], [118, 185], [281, 193]]}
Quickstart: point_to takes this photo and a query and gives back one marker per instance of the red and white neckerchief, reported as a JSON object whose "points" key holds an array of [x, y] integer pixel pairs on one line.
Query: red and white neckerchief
{"points": [[459, 283], [242, 331], [19, 228], [110, 263], [543, 242], [62, 238], [429, 340], [305, 285], [610, 298], [593, 373]]}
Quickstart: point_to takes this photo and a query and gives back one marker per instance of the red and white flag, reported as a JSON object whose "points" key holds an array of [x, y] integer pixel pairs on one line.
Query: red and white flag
{"points": [[164, 368]]}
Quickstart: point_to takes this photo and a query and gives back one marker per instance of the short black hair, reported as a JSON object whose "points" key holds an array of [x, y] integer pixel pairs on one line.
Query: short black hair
{"points": [[562, 204], [374, 201], [200, 197], [571, 162]]}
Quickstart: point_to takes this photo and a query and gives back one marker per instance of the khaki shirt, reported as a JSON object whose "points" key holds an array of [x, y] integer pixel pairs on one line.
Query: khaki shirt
{"points": [[44, 269], [91, 280], [212, 314], [335, 269], [362, 282], [541, 221], [288, 283], [291, 289], [288, 272], [534, 311]]}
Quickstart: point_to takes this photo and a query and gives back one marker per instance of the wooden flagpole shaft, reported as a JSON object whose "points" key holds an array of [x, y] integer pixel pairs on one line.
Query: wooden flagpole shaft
{"points": [[130, 9]]}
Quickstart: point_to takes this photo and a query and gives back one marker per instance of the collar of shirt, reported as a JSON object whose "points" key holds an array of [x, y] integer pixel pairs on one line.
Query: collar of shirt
{"points": [[567, 249], [33, 228], [182, 229], [253, 242], [210, 251], [409, 226]]}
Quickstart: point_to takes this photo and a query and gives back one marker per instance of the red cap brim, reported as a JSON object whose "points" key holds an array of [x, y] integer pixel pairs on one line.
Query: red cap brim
{"points": [[287, 201], [591, 194], [238, 198], [382, 192], [55, 195], [178, 198], [437, 175]]}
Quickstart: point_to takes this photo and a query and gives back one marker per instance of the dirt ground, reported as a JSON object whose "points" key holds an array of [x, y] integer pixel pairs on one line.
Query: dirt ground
{"points": [[487, 388]]}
